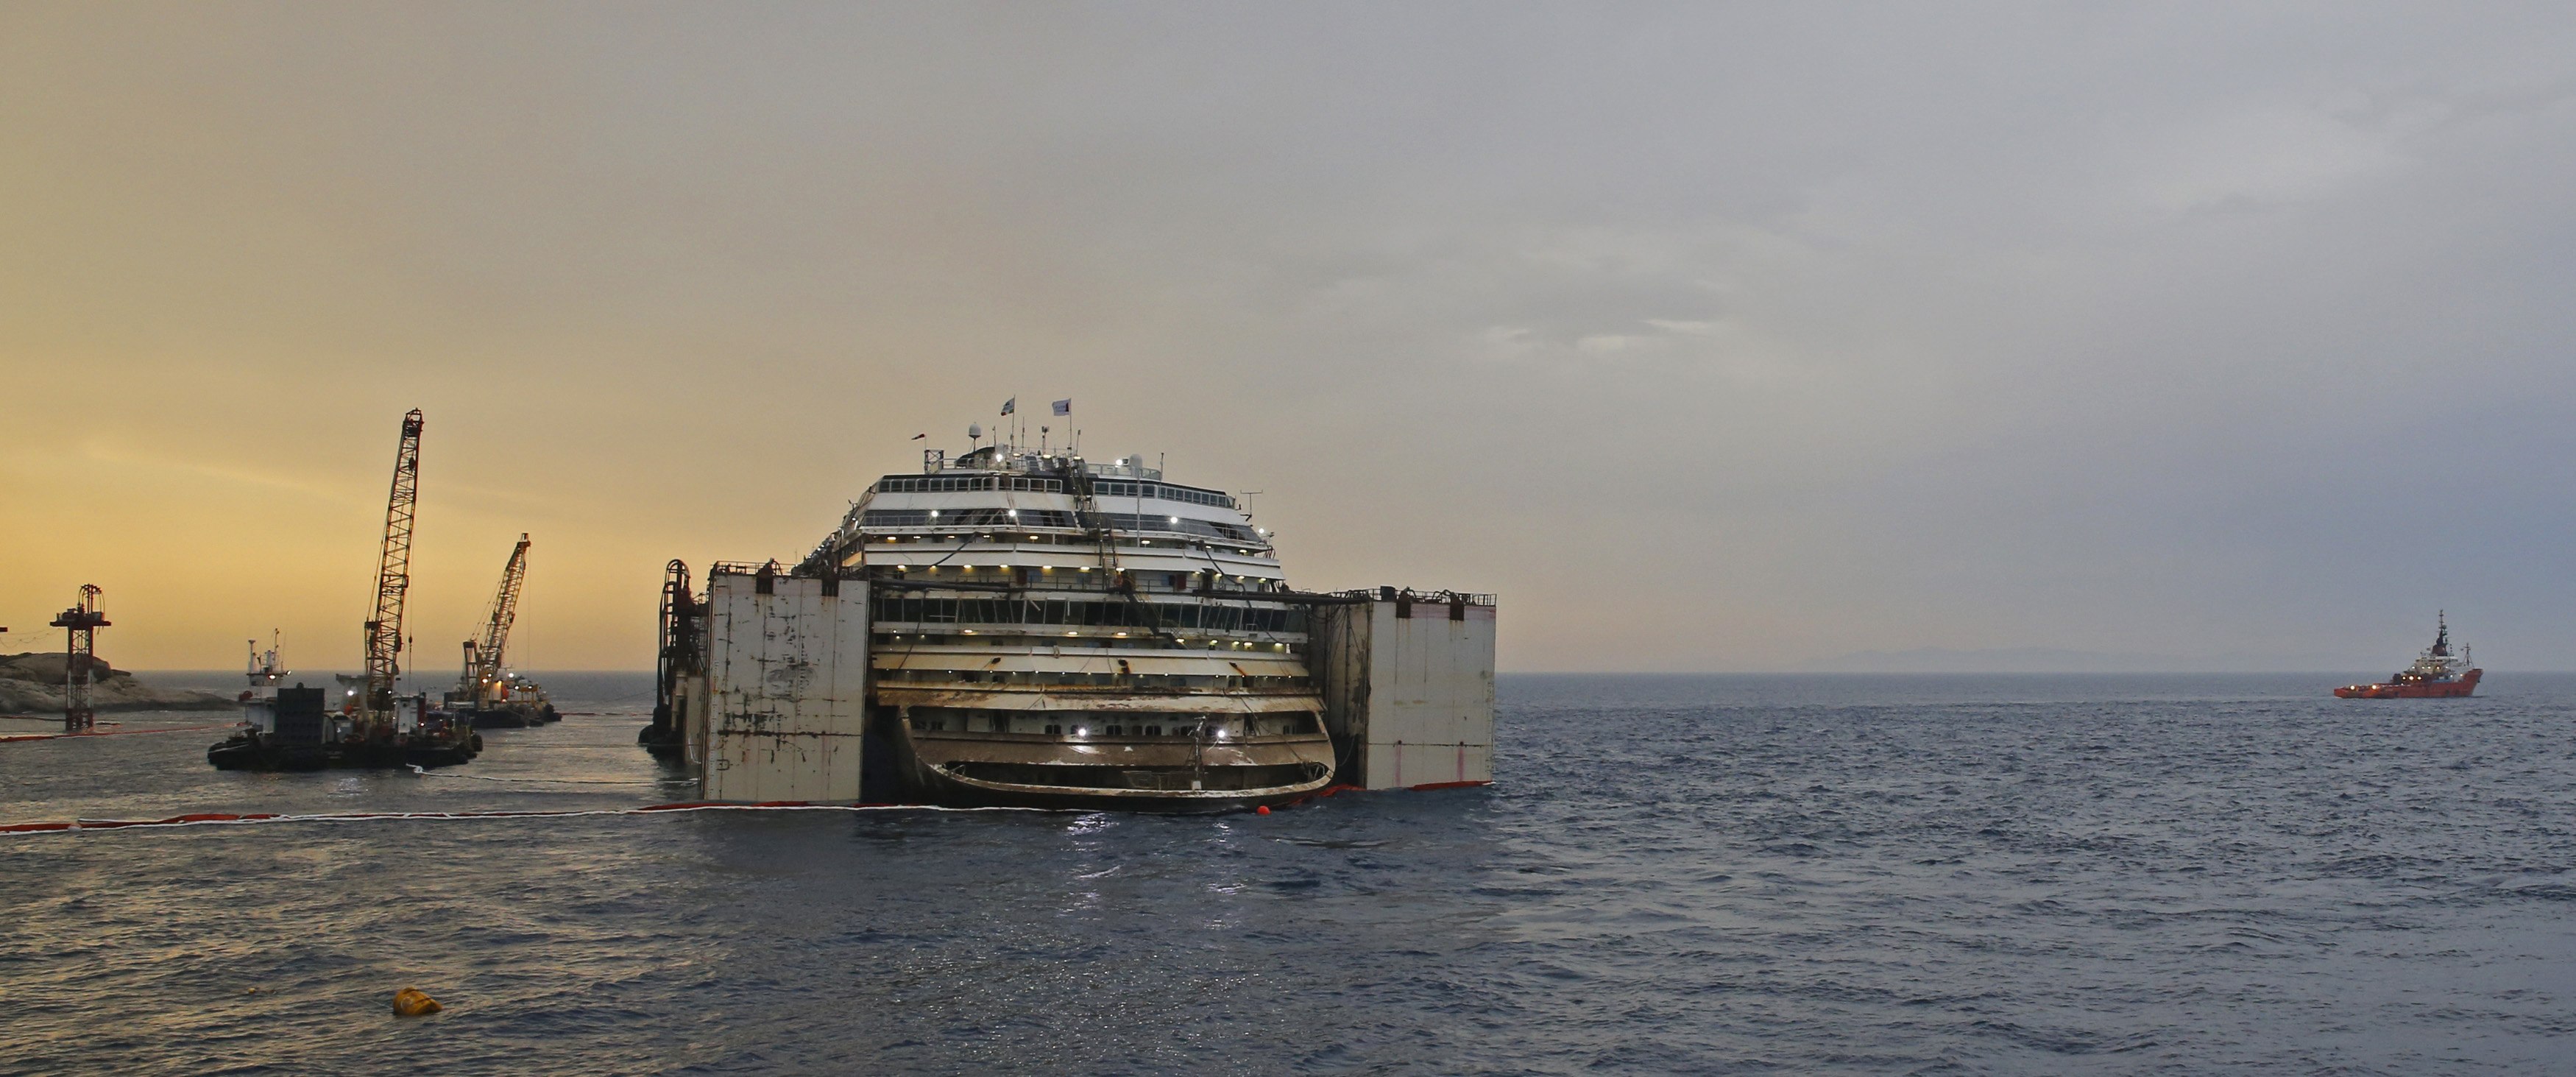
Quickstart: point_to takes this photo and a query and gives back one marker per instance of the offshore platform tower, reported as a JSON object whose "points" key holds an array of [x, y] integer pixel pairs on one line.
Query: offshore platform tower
{"points": [[81, 623]]}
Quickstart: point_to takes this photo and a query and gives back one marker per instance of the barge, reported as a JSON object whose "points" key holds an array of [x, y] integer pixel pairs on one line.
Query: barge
{"points": [[295, 728]]}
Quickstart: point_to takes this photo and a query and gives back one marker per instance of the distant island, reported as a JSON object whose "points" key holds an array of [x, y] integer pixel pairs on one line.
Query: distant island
{"points": [[32, 683]]}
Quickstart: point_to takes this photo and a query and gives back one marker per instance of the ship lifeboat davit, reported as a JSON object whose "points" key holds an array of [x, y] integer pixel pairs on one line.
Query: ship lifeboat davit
{"points": [[2436, 674]]}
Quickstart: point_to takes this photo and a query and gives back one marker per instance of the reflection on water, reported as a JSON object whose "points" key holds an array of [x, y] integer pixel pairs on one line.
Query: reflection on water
{"points": [[2025, 874]]}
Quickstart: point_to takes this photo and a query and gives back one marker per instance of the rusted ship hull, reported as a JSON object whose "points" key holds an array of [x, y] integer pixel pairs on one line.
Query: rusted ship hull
{"points": [[1109, 773]]}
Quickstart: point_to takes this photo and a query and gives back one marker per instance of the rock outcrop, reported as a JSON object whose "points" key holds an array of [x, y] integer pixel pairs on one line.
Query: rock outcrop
{"points": [[32, 683]]}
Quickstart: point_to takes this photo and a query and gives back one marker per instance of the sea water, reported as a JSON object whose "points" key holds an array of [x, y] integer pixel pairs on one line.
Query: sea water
{"points": [[1738, 874]]}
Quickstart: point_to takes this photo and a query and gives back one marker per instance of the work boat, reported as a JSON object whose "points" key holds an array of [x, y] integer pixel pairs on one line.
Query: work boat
{"points": [[2436, 674], [1053, 632]]}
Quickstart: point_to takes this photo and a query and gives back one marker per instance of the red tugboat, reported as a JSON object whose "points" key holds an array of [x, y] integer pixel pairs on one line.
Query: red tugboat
{"points": [[2436, 674]]}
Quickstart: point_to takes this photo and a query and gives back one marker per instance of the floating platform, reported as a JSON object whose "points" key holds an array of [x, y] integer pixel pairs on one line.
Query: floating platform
{"points": [[248, 752], [293, 731]]}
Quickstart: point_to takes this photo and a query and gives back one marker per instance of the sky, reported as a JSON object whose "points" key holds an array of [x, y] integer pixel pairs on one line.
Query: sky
{"points": [[1710, 337]]}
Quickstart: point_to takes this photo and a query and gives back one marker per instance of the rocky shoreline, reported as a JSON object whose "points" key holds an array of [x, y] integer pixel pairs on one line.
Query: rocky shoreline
{"points": [[32, 683]]}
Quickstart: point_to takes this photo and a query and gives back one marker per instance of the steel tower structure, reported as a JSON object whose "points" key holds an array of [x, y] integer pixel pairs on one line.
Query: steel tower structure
{"points": [[393, 576], [483, 656], [81, 623]]}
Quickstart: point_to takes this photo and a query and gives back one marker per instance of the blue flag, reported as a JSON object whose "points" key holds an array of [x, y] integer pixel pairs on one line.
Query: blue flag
{"points": [[1064, 406]]}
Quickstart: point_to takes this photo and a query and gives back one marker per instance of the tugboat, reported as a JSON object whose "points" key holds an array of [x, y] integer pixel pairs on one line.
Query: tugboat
{"points": [[2436, 674]]}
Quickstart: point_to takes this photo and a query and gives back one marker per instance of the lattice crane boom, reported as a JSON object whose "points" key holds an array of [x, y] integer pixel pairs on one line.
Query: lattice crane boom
{"points": [[393, 574], [485, 653]]}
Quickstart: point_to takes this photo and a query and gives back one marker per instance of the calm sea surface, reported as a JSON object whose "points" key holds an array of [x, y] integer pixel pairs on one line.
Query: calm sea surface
{"points": [[1687, 874]]}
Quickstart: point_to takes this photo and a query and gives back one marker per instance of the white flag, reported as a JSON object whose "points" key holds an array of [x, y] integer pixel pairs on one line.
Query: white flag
{"points": [[1010, 405]]}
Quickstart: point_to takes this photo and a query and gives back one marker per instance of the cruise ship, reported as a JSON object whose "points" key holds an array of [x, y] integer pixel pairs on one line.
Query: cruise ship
{"points": [[1051, 631]]}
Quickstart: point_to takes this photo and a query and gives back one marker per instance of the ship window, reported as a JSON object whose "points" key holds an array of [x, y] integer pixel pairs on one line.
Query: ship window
{"points": [[1117, 730], [1153, 731], [1053, 728]]}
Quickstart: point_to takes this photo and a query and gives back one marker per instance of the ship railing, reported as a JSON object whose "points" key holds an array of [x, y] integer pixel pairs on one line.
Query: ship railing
{"points": [[1150, 540], [1407, 594], [1077, 583]]}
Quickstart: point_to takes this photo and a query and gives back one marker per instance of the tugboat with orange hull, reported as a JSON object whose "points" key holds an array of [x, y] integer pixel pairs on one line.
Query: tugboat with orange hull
{"points": [[2436, 674]]}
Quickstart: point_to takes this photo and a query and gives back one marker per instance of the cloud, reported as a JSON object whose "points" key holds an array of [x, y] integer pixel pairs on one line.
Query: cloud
{"points": [[1809, 330]]}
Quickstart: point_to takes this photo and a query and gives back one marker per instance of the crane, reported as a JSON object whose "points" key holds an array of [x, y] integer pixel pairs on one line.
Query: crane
{"points": [[483, 656], [393, 578], [681, 656]]}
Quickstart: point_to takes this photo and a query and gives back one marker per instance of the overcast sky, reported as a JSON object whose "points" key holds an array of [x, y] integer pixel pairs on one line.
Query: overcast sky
{"points": [[1712, 337]]}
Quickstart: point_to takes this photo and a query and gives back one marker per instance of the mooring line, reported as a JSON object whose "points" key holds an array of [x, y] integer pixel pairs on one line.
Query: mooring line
{"points": [[232, 819]]}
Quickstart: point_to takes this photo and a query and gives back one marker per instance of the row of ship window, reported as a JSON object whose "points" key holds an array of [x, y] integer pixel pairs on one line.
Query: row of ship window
{"points": [[904, 609], [1077, 679], [1079, 578], [1094, 724], [958, 542], [1163, 491], [951, 484], [1009, 518]]}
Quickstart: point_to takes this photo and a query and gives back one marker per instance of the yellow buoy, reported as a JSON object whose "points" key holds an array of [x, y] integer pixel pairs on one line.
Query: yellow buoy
{"points": [[409, 1002]]}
